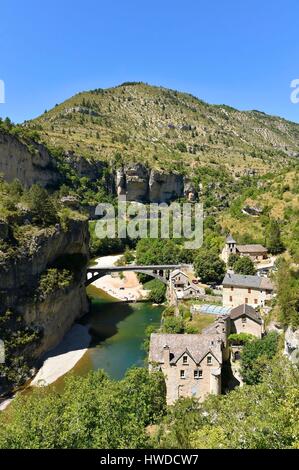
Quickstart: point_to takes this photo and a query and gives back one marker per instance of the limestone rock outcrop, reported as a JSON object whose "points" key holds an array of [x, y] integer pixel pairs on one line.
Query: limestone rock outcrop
{"points": [[165, 187], [141, 184], [29, 162], [54, 314], [291, 348]]}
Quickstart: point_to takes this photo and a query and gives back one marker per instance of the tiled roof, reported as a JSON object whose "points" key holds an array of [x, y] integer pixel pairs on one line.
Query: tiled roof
{"points": [[246, 310], [251, 249], [240, 280], [198, 346]]}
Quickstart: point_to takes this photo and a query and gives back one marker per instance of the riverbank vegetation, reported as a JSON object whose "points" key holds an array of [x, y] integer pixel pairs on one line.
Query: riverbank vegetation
{"points": [[91, 412]]}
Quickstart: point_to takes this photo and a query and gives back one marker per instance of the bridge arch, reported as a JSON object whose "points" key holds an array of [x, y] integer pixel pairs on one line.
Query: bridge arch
{"points": [[156, 271]]}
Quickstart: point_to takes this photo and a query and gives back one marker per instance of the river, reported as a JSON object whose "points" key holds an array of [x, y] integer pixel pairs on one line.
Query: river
{"points": [[118, 331]]}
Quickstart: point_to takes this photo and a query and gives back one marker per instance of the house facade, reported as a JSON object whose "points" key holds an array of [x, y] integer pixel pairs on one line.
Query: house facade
{"points": [[191, 364], [239, 289], [184, 287], [245, 319]]}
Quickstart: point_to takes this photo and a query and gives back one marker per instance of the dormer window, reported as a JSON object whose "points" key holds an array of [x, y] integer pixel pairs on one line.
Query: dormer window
{"points": [[185, 359], [209, 360]]}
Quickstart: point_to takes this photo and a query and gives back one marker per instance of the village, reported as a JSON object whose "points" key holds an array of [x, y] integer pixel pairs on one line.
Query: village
{"points": [[196, 365]]}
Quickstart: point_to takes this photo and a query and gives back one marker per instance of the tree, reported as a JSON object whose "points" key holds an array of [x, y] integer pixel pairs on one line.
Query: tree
{"points": [[273, 238], [157, 291], [232, 259], [287, 282], [255, 356], [173, 325], [91, 412], [209, 267], [41, 206], [244, 265]]}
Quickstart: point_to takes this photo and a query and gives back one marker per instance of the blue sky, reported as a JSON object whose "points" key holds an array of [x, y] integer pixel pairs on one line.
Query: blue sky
{"points": [[241, 53]]}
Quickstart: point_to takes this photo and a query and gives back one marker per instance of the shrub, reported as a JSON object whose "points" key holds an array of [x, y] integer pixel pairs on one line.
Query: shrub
{"points": [[52, 280], [173, 325]]}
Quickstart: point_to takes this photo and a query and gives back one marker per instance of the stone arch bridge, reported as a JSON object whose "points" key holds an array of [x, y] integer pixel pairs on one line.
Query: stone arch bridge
{"points": [[161, 272]]}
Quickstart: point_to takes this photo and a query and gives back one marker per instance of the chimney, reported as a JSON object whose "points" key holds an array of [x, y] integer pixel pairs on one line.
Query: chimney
{"points": [[166, 355]]}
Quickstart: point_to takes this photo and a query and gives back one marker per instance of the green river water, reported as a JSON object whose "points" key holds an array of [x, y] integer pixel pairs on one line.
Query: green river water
{"points": [[118, 332]]}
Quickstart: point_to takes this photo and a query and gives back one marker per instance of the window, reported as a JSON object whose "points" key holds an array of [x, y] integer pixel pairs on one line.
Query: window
{"points": [[231, 288], [246, 300], [255, 301], [230, 298], [249, 291], [182, 374], [209, 360], [185, 359], [197, 374], [244, 319]]}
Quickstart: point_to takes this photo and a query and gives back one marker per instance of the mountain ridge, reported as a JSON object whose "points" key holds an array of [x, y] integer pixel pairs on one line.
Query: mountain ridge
{"points": [[164, 128]]}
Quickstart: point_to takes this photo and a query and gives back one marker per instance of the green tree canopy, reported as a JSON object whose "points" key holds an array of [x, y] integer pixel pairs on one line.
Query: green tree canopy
{"points": [[273, 238], [256, 355], [91, 412], [244, 265], [209, 267], [41, 206]]}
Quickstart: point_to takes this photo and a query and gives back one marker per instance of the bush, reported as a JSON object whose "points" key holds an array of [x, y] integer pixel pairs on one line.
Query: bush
{"points": [[52, 280], [239, 339]]}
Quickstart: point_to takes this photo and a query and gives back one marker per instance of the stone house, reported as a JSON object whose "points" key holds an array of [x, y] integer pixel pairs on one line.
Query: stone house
{"points": [[245, 319], [179, 279], [255, 252], [191, 364], [239, 289], [184, 287]]}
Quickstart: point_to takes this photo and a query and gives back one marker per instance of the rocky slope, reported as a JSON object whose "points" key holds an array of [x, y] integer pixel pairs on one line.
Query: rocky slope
{"points": [[33, 321], [166, 130], [27, 161]]}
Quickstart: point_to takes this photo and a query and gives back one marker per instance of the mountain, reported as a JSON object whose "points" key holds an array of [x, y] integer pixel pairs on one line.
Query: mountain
{"points": [[167, 130]]}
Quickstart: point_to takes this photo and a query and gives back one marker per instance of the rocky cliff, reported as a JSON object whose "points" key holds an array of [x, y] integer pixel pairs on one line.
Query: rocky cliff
{"points": [[28, 161], [32, 323], [292, 345], [139, 183]]}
